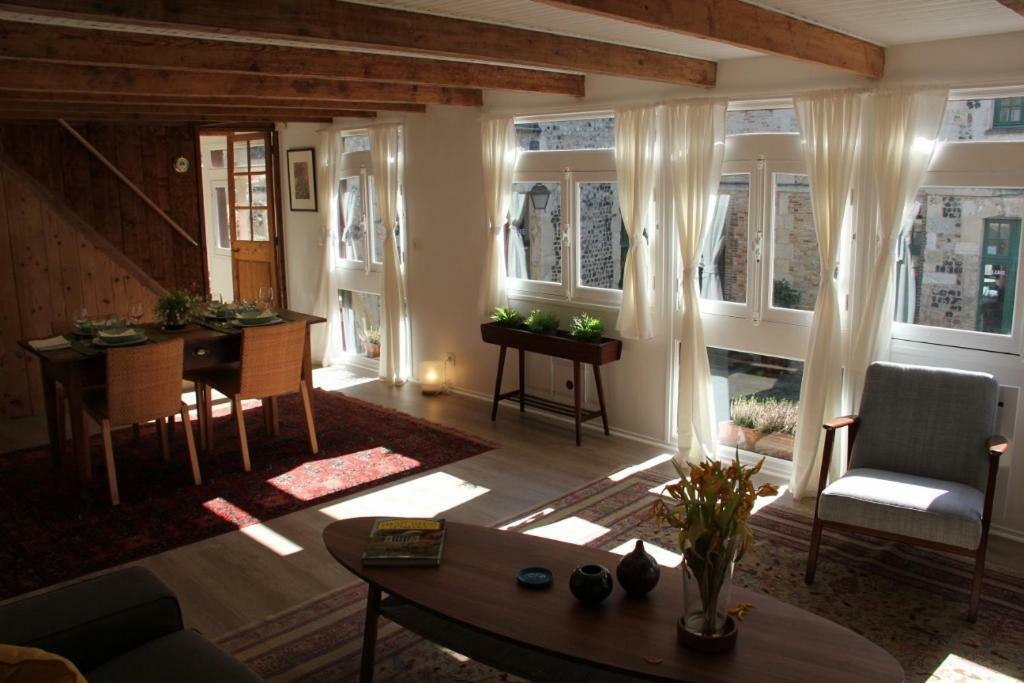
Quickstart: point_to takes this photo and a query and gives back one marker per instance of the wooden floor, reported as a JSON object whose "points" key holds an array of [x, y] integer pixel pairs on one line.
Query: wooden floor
{"points": [[234, 579]]}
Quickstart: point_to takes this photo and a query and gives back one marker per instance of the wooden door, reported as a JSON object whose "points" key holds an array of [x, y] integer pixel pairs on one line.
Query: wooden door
{"points": [[253, 215]]}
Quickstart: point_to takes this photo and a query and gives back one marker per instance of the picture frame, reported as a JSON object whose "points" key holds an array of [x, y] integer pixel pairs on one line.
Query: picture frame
{"points": [[302, 179]]}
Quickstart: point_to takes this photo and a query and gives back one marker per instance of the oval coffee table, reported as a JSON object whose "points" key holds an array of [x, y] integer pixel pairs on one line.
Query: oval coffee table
{"points": [[473, 597]]}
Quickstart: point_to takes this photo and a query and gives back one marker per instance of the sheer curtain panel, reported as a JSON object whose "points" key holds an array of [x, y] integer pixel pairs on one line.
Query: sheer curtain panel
{"points": [[830, 125], [500, 152], [327, 345], [636, 135], [387, 164], [695, 145]]}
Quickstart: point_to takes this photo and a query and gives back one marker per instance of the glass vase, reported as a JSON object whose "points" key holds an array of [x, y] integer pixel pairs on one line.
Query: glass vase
{"points": [[708, 565]]}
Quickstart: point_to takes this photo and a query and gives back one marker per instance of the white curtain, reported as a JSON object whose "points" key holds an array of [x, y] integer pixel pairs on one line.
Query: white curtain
{"points": [[906, 288], [830, 124], [500, 152], [899, 141], [635, 169], [386, 160], [517, 266], [326, 339], [714, 244], [695, 144]]}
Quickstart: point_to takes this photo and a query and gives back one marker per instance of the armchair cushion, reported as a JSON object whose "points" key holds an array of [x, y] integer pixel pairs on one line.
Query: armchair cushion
{"points": [[905, 504], [179, 656]]}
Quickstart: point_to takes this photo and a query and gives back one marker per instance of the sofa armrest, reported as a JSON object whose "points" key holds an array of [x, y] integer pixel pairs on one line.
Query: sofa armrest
{"points": [[96, 620], [997, 445]]}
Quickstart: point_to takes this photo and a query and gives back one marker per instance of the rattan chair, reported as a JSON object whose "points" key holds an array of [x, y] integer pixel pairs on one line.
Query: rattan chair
{"points": [[271, 366], [143, 384]]}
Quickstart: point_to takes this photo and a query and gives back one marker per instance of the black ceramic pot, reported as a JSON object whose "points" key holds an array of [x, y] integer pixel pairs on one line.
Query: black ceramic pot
{"points": [[638, 572], [591, 583]]}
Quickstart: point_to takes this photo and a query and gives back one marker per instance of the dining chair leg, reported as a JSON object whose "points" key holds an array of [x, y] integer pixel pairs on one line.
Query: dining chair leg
{"points": [[268, 416], [243, 442], [308, 408], [275, 422], [190, 441], [165, 445], [208, 414], [136, 431], [108, 453], [201, 416]]}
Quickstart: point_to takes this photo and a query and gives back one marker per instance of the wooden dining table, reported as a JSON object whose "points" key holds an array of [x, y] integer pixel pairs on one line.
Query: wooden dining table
{"points": [[207, 344]]}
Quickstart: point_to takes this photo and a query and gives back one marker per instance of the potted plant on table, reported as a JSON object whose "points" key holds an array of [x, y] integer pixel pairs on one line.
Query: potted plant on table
{"points": [[586, 327], [175, 309], [371, 342], [507, 317], [710, 506], [542, 322]]}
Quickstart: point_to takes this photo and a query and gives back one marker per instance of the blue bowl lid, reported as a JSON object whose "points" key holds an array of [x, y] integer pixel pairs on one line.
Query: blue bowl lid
{"points": [[534, 577]]}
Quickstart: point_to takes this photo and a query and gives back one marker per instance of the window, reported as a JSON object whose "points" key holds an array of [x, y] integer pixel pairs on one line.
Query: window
{"points": [[795, 261], [591, 133], [360, 323], [355, 143], [252, 220], [535, 232], [1009, 113], [723, 264], [218, 158], [603, 241], [350, 216], [747, 121], [220, 197], [988, 119], [998, 276], [361, 231]]}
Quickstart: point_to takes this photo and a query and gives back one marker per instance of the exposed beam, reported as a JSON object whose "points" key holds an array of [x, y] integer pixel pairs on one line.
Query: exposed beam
{"points": [[171, 101], [744, 25], [149, 118], [38, 76], [1016, 5], [348, 25], [67, 45], [66, 109]]}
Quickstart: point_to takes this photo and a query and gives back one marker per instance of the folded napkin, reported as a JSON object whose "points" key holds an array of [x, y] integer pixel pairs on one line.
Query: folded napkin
{"points": [[51, 344], [106, 334]]}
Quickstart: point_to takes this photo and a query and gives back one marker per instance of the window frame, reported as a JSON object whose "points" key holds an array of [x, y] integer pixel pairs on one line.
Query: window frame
{"points": [[1001, 103], [357, 164], [221, 184]]}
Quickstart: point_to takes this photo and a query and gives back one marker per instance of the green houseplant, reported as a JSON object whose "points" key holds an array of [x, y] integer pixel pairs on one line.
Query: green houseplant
{"points": [[586, 327], [507, 317], [175, 308], [542, 321]]}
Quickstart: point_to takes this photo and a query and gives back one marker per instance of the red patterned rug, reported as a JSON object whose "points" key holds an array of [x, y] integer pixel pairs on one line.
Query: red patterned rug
{"points": [[49, 533]]}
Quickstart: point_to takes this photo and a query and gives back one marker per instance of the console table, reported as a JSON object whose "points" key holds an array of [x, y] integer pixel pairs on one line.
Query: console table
{"points": [[559, 345]]}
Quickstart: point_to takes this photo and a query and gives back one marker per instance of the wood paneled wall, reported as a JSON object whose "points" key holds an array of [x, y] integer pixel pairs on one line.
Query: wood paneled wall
{"points": [[146, 155], [52, 264]]}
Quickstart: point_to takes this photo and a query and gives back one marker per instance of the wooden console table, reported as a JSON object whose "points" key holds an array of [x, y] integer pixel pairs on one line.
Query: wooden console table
{"points": [[595, 353]]}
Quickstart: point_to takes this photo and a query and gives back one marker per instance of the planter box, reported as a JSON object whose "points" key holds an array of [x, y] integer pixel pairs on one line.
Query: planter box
{"points": [[559, 344], [775, 445]]}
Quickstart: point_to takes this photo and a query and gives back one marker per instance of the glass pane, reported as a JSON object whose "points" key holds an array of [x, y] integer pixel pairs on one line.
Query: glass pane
{"points": [[603, 239], [241, 155], [360, 323], [561, 135], [257, 155], [535, 232], [761, 121], [989, 119], [756, 399], [260, 225], [957, 265], [243, 230], [218, 158], [795, 267], [223, 227], [355, 143], [350, 216], [378, 225], [723, 263], [241, 190], [259, 190]]}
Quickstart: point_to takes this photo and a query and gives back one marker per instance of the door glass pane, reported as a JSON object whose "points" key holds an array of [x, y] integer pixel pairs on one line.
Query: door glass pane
{"points": [[355, 143], [360, 323], [223, 227], [796, 265], [956, 267], [350, 217], [243, 229], [723, 262], [260, 225], [535, 232], [378, 225], [603, 239], [756, 399], [217, 158], [259, 190], [241, 155], [257, 155], [242, 190]]}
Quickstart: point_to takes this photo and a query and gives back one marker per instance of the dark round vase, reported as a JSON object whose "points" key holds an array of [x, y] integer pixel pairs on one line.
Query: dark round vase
{"points": [[638, 572], [591, 583]]}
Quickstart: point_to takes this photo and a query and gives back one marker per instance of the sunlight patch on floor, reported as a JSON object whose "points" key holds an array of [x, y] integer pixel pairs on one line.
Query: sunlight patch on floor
{"points": [[570, 530], [765, 501], [425, 496], [251, 527], [954, 668], [529, 519], [665, 557], [336, 378], [640, 467]]}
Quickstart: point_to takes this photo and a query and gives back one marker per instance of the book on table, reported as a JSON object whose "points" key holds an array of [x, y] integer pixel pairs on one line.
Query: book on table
{"points": [[405, 542]]}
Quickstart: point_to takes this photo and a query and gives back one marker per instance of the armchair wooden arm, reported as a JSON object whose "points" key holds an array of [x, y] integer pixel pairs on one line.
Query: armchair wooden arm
{"points": [[840, 422], [830, 428], [997, 445]]}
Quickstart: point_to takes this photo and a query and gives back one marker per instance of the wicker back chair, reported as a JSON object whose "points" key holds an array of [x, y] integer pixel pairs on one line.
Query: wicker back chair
{"points": [[271, 366], [143, 384]]}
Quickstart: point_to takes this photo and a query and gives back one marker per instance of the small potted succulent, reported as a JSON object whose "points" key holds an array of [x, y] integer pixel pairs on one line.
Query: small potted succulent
{"points": [[542, 322], [175, 309], [507, 317], [371, 342], [586, 327]]}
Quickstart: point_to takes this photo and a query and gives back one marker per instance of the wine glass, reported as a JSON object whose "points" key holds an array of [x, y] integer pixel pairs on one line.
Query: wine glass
{"points": [[135, 313], [266, 296], [82, 321]]}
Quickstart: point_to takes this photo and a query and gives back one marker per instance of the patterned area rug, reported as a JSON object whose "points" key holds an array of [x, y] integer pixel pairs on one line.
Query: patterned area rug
{"points": [[910, 601], [48, 533]]}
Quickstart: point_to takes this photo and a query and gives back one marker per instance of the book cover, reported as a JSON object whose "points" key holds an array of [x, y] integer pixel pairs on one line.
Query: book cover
{"points": [[405, 542]]}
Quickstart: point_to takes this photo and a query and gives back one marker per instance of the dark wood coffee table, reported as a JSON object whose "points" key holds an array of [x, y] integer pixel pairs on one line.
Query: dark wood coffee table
{"points": [[475, 591]]}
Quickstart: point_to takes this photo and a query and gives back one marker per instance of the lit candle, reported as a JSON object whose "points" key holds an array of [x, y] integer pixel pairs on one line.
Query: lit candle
{"points": [[431, 377]]}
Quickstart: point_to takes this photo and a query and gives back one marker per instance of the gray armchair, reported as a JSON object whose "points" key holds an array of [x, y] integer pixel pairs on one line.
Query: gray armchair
{"points": [[922, 463]]}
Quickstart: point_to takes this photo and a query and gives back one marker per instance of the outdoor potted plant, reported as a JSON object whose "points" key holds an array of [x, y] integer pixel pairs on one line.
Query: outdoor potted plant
{"points": [[175, 309], [586, 327], [710, 506], [371, 342], [761, 425], [542, 322]]}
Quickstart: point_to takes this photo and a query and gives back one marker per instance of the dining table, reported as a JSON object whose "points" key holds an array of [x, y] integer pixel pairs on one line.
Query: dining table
{"points": [[208, 343]]}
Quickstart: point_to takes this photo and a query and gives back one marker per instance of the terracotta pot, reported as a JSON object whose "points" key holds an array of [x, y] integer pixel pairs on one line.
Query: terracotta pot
{"points": [[372, 350], [731, 434]]}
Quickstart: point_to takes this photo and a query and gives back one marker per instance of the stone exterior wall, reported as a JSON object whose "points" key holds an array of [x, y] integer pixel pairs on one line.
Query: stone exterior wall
{"points": [[562, 135], [761, 121], [972, 120], [735, 273], [796, 243], [602, 240]]}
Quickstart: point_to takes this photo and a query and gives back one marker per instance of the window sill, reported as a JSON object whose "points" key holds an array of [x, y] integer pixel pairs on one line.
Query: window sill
{"points": [[522, 295]]}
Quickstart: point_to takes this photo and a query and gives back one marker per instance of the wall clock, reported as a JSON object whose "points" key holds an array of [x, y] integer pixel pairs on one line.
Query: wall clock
{"points": [[181, 165]]}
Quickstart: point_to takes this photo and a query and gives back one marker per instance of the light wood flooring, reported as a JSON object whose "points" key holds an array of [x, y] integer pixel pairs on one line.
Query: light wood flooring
{"points": [[240, 577]]}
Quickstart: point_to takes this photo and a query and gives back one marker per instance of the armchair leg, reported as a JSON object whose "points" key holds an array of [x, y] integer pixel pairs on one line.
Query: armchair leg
{"points": [[979, 575], [243, 442], [186, 423], [812, 555]]}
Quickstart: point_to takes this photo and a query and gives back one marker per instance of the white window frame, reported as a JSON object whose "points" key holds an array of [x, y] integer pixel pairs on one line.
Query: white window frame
{"points": [[542, 289], [220, 184], [357, 164]]}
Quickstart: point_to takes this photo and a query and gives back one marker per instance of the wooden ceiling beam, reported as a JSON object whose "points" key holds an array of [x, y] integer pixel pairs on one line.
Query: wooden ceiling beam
{"points": [[744, 25], [41, 77], [67, 45], [349, 25], [1015, 5], [149, 118], [70, 109], [172, 101]]}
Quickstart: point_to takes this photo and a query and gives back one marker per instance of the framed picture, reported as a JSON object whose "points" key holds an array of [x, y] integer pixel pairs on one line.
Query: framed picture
{"points": [[301, 179]]}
